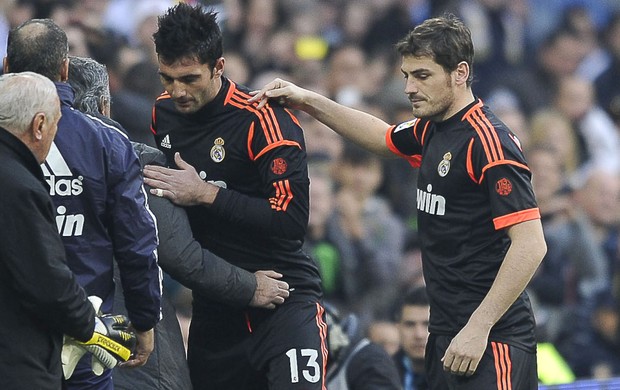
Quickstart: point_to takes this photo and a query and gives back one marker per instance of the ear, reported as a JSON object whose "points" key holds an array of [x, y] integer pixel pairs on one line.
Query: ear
{"points": [[104, 106], [219, 67], [38, 123], [5, 66], [64, 70], [461, 74]]}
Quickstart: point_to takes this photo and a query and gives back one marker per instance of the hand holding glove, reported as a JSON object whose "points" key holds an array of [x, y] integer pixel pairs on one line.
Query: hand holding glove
{"points": [[112, 341]]}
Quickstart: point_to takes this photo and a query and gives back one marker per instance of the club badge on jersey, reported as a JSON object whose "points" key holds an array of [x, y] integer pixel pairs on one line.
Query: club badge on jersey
{"points": [[444, 165], [217, 151]]}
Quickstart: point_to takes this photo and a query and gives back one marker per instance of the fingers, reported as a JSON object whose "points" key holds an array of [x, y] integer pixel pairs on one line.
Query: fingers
{"points": [[459, 365], [182, 164], [272, 274], [139, 360], [271, 90]]}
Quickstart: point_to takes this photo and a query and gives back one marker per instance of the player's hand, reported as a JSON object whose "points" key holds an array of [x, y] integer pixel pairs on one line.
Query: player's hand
{"points": [[284, 92], [144, 347], [269, 290], [182, 186], [465, 351]]}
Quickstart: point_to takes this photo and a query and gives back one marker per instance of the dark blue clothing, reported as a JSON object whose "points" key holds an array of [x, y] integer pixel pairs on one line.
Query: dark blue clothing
{"points": [[102, 215]]}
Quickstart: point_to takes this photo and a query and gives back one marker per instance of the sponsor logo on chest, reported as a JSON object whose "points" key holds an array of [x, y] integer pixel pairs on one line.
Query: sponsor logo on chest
{"points": [[59, 177]]}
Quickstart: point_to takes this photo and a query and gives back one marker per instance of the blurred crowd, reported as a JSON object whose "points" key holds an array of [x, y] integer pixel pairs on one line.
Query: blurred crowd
{"points": [[549, 69]]}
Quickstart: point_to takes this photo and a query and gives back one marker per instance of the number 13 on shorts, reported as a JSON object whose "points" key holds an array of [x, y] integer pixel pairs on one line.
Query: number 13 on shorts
{"points": [[310, 368]]}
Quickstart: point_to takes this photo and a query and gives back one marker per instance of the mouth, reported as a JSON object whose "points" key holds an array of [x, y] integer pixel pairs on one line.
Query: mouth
{"points": [[183, 103]]}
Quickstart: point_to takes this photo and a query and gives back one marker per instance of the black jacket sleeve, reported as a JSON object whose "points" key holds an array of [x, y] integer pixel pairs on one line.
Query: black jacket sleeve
{"points": [[184, 259], [196, 268], [34, 257]]}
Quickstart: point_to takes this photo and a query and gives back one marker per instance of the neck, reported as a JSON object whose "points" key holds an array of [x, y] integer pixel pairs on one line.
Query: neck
{"points": [[461, 100]]}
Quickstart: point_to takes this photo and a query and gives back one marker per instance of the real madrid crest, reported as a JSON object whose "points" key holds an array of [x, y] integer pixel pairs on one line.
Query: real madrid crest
{"points": [[444, 166], [217, 151]]}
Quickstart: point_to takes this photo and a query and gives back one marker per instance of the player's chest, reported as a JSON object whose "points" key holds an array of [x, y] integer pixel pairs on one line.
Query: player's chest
{"points": [[218, 152], [445, 165]]}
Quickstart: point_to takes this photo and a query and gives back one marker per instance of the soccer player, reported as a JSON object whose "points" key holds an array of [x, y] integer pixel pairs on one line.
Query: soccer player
{"points": [[100, 204], [242, 174], [478, 219], [179, 254]]}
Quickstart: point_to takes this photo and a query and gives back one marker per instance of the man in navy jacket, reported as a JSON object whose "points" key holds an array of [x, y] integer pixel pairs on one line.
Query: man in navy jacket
{"points": [[96, 186]]}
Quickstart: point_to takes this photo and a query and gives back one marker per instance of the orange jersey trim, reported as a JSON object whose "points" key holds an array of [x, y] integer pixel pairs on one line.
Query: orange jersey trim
{"points": [[283, 195], [515, 218], [164, 95], [250, 138], [470, 163], [266, 115], [153, 121], [503, 365], [421, 140], [275, 145], [414, 160], [502, 162], [486, 132], [323, 335]]}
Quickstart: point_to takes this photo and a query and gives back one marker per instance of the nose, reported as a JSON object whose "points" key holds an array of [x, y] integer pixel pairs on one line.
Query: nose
{"points": [[410, 86], [177, 90]]}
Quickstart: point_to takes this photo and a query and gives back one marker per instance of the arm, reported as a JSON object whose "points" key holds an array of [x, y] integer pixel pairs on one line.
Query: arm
{"points": [[277, 204], [33, 263], [134, 237], [522, 259], [186, 261], [362, 128]]}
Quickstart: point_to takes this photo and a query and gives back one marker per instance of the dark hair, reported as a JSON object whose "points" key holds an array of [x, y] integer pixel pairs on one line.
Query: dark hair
{"points": [[416, 296], [37, 45], [188, 31], [445, 39]]}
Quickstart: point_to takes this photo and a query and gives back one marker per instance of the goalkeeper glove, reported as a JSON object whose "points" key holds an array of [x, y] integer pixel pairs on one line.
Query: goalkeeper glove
{"points": [[113, 335], [112, 341]]}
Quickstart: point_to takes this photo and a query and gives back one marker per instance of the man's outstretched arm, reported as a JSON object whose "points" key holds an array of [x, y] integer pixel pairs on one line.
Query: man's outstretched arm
{"points": [[360, 127]]}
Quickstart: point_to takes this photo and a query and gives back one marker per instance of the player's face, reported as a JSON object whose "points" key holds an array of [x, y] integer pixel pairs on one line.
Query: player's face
{"points": [[190, 83], [413, 328], [429, 88]]}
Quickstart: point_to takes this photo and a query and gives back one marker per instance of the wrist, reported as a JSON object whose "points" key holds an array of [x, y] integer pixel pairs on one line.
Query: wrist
{"points": [[207, 194]]}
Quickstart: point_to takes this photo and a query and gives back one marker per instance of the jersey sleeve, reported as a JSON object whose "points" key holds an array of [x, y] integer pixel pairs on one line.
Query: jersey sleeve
{"points": [[277, 148], [133, 234], [405, 140], [498, 164]]}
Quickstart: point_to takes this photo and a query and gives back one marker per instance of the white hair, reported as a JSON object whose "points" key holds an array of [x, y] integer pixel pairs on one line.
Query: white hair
{"points": [[22, 96]]}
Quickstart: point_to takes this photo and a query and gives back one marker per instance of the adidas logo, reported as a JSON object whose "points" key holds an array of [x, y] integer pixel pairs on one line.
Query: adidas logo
{"points": [[62, 183], [59, 176], [165, 143]]}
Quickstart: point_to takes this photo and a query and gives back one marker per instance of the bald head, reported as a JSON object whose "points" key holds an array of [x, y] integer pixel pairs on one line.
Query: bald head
{"points": [[30, 110], [40, 46]]}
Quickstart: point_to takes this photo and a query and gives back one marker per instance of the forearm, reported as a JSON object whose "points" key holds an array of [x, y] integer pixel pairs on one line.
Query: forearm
{"points": [[209, 275], [362, 128], [257, 215], [522, 259]]}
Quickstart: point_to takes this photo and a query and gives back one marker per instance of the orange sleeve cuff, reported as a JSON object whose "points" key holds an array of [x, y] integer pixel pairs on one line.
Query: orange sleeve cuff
{"points": [[512, 219]]}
